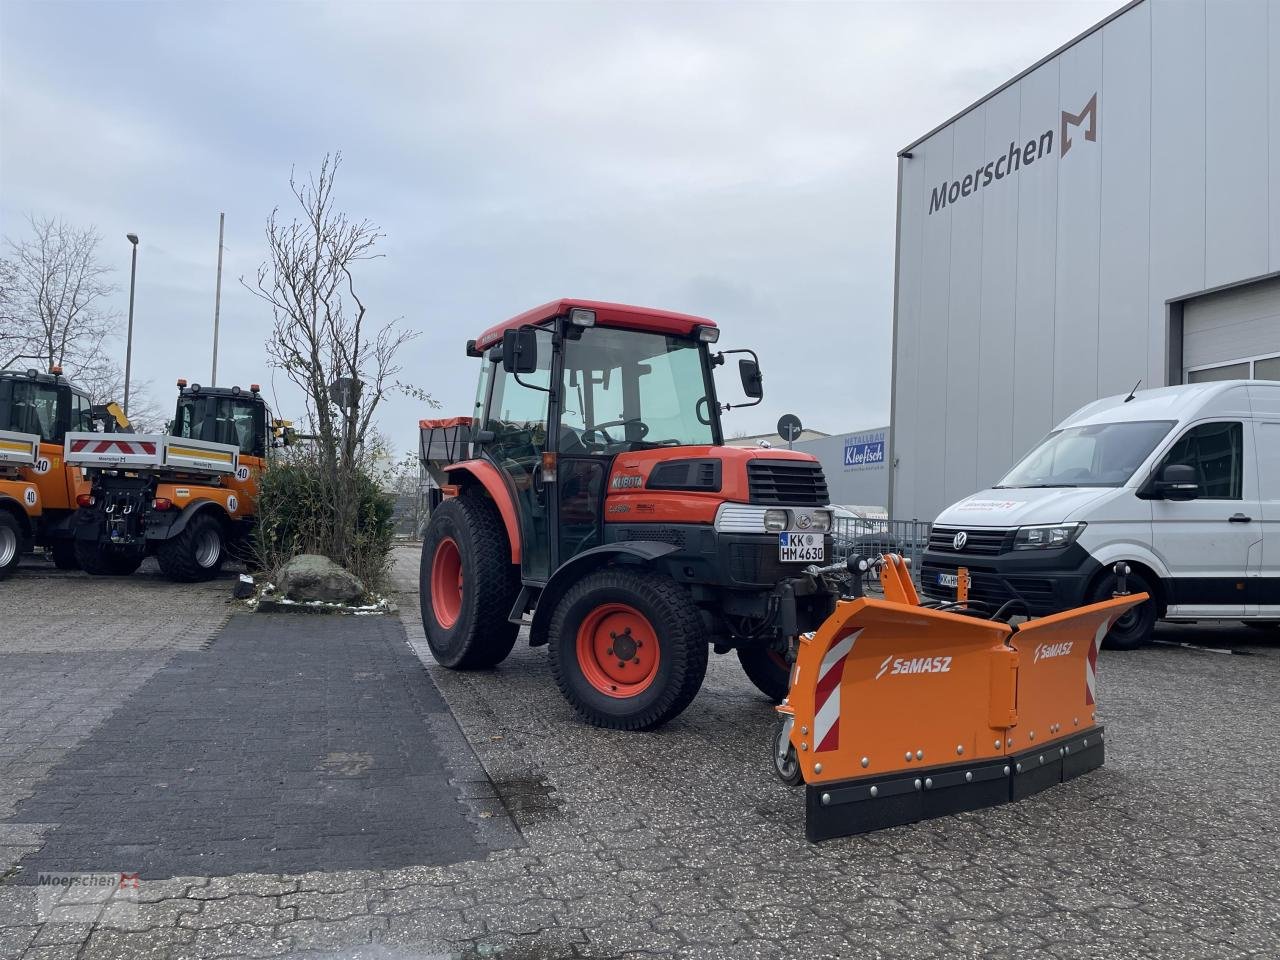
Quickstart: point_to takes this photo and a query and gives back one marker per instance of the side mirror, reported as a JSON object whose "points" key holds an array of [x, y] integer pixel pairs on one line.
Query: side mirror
{"points": [[520, 350], [1178, 482], [752, 379]]}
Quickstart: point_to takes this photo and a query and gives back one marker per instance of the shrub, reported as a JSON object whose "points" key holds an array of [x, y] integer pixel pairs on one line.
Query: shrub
{"points": [[296, 514]]}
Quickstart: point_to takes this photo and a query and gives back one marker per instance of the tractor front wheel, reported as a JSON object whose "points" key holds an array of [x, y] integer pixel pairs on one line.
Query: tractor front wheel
{"points": [[768, 669], [10, 544], [467, 585], [628, 649]]}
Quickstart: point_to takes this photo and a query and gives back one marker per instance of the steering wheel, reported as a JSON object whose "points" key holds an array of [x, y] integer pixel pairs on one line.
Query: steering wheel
{"points": [[600, 428]]}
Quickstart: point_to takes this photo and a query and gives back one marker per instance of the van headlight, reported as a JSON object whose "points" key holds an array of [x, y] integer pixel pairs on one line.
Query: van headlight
{"points": [[1047, 537], [775, 521]]}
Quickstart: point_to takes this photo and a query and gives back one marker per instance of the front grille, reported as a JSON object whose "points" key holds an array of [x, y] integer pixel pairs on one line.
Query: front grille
{"points": [[980, 541], [986, 587], [797, 483]]}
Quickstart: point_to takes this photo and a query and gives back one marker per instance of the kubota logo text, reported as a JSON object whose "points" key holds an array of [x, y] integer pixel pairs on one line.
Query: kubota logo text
{"points": [[892, 665], [1047, 650]]}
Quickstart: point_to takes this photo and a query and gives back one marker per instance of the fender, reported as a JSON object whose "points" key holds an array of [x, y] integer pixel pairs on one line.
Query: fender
{"points": [[489, 477], [570, 572], [1107, 554], [11, 505], [189, 511]]}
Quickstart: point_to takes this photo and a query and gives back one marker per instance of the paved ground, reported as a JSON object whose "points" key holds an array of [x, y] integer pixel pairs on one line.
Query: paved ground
{"points": [[676, 843]]}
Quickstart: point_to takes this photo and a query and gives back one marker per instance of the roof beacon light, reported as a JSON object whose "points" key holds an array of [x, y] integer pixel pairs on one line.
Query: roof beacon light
{"points": [[708, 334], [182, 382], [254, 388], [56, 370], [581, 317]]}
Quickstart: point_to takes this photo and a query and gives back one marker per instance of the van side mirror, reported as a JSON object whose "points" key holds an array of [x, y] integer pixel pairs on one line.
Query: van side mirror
{"points": [[752, 378], [1177, 482], [520, 350]]}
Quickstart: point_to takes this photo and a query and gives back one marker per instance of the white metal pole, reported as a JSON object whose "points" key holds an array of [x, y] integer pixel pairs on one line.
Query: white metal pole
{"points": [[217, 302]]}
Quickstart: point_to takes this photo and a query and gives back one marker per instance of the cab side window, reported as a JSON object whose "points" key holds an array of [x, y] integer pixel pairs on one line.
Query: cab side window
{"points": [[81, 413], [1216, 452], [517, 413]]}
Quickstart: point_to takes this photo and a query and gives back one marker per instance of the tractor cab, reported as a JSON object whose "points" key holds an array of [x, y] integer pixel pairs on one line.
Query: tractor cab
{"points": [[43, 404], [227, 415]]}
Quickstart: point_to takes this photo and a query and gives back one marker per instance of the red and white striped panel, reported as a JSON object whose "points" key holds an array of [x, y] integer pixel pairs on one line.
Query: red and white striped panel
{"points": [[129, 447], [1091, 664], [826, 701]]}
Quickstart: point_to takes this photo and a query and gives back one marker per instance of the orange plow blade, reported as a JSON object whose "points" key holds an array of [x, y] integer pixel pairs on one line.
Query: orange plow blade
{"points": [[900, 713]]}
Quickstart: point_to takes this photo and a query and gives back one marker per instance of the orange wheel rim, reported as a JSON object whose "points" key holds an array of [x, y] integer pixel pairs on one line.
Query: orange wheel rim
{"points": [[446, 582], [618, 650]]}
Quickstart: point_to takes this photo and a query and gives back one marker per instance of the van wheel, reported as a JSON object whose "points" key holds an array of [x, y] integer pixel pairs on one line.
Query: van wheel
{"points": [[768, 669], [1136, 627], [196, 553], [101, 561], [628, 650], [10, 544]]}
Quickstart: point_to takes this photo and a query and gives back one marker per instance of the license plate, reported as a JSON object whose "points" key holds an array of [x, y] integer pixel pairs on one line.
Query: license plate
{"points": [[801, 547], [948, 580]]}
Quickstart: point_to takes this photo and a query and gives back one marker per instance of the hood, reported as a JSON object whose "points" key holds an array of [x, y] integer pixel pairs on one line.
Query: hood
{"points": [[1021, 507]]}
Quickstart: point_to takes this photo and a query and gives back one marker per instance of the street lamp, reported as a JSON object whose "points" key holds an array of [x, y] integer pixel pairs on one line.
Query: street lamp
{"points": [[128, 350]]}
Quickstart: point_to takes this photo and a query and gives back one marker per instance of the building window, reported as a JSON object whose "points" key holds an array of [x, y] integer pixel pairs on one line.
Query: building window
{"points": [[1257, 368]]}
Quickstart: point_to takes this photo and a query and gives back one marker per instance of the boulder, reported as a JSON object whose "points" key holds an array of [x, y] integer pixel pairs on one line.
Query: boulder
{"points": [[309, 577]]}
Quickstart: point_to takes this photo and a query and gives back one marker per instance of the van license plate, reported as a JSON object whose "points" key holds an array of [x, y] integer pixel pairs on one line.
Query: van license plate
{"points": [[801, 547], [948, 580]]}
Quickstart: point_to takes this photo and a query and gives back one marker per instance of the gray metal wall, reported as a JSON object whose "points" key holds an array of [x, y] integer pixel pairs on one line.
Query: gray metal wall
{"points": [[1046, 289], [855, 465]]}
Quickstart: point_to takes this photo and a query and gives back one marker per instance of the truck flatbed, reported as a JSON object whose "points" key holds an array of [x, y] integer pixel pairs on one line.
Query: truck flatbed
{"points": [[150, 451]]}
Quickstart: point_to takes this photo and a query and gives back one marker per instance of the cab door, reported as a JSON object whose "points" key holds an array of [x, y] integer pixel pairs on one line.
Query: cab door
{"points": [[516, 418], [1266, 431], [1212, 545]]}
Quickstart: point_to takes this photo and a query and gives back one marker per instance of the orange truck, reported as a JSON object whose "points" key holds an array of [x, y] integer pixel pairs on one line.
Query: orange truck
{"points": [[37, 488], [188, 496]]}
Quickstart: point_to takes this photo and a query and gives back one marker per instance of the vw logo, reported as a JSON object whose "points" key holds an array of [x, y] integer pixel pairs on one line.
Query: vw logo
{"points": [[959, 540]]}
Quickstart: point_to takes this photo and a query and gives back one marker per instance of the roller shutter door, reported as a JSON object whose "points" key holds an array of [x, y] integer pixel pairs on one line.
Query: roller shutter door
{"points": [[1233, 334]]}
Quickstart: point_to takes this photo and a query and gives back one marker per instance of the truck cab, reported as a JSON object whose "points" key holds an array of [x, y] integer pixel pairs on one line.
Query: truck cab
{"points": [[41, 497], [595, 453]]}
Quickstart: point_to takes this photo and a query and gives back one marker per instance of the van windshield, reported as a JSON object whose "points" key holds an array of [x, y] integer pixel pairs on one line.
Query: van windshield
{"points": [[1097, 455]]}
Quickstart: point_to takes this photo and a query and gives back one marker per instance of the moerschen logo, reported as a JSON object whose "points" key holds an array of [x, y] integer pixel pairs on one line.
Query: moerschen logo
{"points": [[1018, 157]]}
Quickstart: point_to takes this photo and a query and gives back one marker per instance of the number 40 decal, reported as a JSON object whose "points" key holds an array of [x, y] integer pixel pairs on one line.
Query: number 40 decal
{"points": [[242, 473]]}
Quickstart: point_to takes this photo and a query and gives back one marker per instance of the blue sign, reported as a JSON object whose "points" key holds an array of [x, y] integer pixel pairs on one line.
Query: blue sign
{"points": [[865, 450]]}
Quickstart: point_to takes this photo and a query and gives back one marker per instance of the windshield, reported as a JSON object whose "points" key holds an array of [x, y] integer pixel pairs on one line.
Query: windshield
{"points": [[628, 390], [29, 406], [231, 420], [1098, 455]]}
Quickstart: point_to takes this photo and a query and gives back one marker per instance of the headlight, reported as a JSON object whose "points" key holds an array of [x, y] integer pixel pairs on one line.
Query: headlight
{"points": [[818, 521], [775, 521], [1051, 536]]}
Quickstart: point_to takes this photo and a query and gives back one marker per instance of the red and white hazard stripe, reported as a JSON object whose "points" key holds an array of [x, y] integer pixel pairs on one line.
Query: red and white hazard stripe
{"points": [[826, 716], [1091, 664], [130, 447]]}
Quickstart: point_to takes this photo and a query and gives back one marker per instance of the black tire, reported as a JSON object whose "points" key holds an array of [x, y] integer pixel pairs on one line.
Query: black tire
{"points": [[1261, 624], [767, 669], [98, 560], [1137, 626], [681, 652], [478, 635], [782, 754], [11, 543], [64, 554], [195, 554]]}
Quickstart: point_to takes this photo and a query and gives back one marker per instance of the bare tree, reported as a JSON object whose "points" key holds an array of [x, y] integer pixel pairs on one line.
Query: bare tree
{"points": [[322, 336], [55, 288], [103, 379]]}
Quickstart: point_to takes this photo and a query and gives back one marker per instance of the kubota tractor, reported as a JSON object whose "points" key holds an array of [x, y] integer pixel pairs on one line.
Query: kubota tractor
{"points": [[592, 487], [188, 496], [38, 488]]}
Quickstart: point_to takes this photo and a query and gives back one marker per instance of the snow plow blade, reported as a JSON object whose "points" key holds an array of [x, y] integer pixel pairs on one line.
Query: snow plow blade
{"points": [[901, 713]]}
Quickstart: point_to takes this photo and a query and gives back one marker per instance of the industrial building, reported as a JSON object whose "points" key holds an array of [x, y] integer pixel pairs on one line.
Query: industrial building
{"points": [[1111, 215]]}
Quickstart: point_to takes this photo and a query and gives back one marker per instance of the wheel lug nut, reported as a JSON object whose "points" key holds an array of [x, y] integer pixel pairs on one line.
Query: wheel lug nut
{"points": [[636, 660], [610, 653], [621, 664]]}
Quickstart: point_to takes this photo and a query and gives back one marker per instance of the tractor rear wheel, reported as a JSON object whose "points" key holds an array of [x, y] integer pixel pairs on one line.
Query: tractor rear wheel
{"points": [[628, 649], [196, 553], [467, 585], [10, 544], [98, 560], [768, 669], [64, 554]]}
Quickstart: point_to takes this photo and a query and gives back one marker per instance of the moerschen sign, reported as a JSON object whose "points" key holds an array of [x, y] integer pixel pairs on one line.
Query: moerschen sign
{"points": [[1019, 155], [864, 450]]}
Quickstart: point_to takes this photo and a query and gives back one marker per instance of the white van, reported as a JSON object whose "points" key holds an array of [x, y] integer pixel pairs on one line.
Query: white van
{"points": [[1183, 483]]}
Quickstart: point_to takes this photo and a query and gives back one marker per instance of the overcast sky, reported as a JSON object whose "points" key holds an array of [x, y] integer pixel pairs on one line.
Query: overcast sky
{"points": [[726, 159]]}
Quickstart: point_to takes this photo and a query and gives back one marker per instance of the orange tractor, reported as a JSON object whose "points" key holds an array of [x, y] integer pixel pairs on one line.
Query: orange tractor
{"points": [[592, 488], [899, 711]]}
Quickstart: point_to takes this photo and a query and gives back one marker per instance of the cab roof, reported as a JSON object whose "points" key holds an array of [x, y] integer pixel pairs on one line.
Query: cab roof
{"points": [[1182, 402], [37, 376], [607, 315]]}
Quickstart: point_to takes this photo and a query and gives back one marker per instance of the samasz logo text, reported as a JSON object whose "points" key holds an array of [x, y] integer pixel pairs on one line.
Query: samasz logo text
{"points": [[1047, 650], [892, 665]]}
